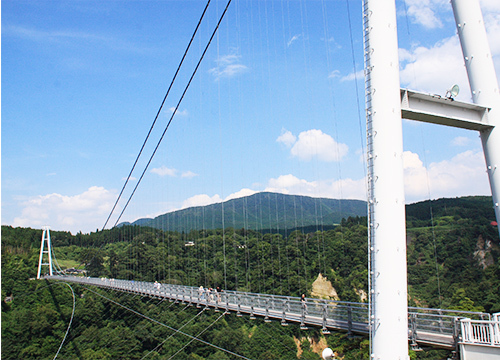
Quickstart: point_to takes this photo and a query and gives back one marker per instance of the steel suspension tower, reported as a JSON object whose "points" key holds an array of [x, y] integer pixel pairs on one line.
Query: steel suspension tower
{"points": [[47, 254], [483, 86], [385, 105], [386, 199]]}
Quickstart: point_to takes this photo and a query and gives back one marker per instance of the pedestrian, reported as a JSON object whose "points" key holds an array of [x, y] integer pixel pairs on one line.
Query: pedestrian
{"points": [[201, 292], [303, 300]]}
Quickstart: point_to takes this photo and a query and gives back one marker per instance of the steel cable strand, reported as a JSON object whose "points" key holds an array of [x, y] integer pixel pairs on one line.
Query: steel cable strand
{"points": [[58, 270], [145, 304], [167, 326], [259, 328], [174, 112], [364, 160], [281, 343], [70, 321], [199, 334], [155, 331], [158, 113], [273, 338], [160, 344], [72, 312], [106, 313], [137, 324]]}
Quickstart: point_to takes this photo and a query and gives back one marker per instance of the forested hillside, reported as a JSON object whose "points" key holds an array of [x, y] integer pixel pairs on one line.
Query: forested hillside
{"points": [[264, 211], [453, 262]]}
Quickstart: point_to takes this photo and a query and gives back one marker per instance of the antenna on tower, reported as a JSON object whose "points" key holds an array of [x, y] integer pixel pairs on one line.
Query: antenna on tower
{"points": [[47, 253]]}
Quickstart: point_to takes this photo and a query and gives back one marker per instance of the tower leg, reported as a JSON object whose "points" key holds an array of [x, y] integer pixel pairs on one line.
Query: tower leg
{"points": [[483, 85], [386, 200], [45, 253]]}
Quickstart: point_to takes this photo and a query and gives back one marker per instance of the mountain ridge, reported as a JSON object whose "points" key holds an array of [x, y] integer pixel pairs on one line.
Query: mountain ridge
{"points": [[260, 211]]}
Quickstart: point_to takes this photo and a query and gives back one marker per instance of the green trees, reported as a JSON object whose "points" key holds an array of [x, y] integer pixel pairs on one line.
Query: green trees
{"points": [[453, 264]]}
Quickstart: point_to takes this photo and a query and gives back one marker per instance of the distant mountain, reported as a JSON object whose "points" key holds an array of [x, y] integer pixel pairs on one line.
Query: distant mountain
{"points": [[261, 211], [474, 207]]}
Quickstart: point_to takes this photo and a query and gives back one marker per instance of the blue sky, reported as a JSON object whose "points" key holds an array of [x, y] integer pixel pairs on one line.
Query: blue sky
{"points": [[274, 105]]}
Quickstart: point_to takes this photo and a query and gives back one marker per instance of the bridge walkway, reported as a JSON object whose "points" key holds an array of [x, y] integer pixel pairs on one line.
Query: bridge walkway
{"points": [[431, 327]]}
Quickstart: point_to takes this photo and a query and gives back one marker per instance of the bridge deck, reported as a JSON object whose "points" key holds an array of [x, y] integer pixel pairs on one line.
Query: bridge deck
{"points": [[433, 327]]}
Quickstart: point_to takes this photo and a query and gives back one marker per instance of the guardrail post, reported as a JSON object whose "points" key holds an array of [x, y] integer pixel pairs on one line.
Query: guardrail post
{"points": [[349, 321], [266, 318], [413, 329], [238, 312], [324, 330], [303, 317], [216, 301], [283, 316], [252, 316], [496, 330], [440, 321]]}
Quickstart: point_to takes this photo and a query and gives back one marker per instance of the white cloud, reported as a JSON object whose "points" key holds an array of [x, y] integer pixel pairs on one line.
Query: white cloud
{"points": [[292, 40], [178, 112], [164, 171], [330, 188], [463, 175], [43, 35], [491, 15], [200, 200], [240, 194], [334, 74], [228, 66], [314, 143], [83, 212], [287, 138], [435, 69], [490, 5], [359, 75], [288, 184], [188, 174], [423, 12], [228, 59], [204, 199], [460, 141]]}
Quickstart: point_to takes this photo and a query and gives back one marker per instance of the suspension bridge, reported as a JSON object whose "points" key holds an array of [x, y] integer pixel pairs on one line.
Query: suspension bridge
{"points": [[427, 327], [386, 318]]}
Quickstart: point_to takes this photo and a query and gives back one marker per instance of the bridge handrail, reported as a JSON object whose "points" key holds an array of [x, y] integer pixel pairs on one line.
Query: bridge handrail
{"points": [[451, 312], [193, 292], [481, 332], [350, 316]]}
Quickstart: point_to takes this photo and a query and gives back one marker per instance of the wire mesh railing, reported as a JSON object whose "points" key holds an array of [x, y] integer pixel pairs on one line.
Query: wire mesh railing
{"points": [[430, 326]]}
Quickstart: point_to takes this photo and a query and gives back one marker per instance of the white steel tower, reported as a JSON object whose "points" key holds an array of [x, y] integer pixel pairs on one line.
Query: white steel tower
{"points": [[47, 253], [386, 200], [384, 109], [483, 85]]}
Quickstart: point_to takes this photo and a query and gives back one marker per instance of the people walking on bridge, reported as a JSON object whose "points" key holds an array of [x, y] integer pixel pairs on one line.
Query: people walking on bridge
{"points": [[157, 285], [201, 293], [218, 291], [304, 304]]}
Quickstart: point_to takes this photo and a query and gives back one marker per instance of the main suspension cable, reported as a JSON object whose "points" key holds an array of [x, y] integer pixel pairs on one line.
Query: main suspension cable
{"points": [[160, 344], [197, 336], [174, 112], [165, 325], [158, 113]]}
